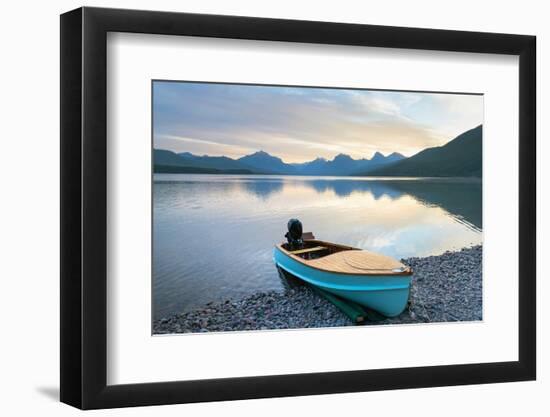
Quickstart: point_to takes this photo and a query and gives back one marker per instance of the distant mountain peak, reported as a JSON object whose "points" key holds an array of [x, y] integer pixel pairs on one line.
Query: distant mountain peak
{"points": [[377, 157], [262, 155], [342, 157], [187, 155], [395, 155], [265, 161]]}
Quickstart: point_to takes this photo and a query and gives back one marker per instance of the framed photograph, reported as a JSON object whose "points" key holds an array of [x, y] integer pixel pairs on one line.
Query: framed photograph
{"points": [[257, 207]]}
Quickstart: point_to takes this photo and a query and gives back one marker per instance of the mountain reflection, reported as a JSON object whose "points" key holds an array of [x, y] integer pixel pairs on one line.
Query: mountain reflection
{"points": [[344, 188], [461, 198], [263, 188]]}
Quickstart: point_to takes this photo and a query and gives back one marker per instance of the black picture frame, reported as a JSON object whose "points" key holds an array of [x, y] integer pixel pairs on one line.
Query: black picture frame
{"points": [[84, 207]]}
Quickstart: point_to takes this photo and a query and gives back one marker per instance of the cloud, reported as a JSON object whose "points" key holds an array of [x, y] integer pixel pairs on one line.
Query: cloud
{"points": [[301, 124]]}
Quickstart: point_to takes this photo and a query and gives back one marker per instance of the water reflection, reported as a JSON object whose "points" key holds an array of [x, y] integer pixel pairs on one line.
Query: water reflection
{"points": [[344, 188], [263, 187], [461, 198], [213, 235]]}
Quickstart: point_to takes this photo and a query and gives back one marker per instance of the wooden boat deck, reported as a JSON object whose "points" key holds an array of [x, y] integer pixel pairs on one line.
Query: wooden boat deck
{"points": [[347, 260], [358, 261]]}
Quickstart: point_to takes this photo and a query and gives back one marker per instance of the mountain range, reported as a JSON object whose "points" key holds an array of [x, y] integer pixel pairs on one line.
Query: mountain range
{"points": [[263, 163], [460, 157]]}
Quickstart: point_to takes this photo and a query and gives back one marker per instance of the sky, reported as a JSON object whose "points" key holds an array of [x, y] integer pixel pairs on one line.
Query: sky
{"points": [[300, 124]]}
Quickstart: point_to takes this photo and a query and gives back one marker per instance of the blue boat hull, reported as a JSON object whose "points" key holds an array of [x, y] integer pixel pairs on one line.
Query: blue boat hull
{"points": [[386, 294]]}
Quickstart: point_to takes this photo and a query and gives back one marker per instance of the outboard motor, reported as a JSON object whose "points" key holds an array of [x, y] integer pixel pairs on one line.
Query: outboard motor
{"points": [[294, 235]]}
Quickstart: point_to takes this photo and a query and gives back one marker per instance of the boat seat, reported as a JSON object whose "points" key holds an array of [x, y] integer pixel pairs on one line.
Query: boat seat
{"points": [[308, 250]]}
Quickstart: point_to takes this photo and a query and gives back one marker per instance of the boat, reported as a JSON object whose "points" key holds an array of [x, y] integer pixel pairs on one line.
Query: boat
{"points": [[373, 280]]}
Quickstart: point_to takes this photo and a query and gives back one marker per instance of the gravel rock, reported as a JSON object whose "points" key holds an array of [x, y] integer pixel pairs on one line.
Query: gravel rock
{"points": [[444, 288]]}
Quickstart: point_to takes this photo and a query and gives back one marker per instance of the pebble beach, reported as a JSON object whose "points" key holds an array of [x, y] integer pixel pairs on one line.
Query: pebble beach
{"points": [[444, 288]]}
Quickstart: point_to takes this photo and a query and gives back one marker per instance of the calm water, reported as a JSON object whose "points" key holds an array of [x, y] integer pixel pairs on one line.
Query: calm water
{"points": [[214, 234]]}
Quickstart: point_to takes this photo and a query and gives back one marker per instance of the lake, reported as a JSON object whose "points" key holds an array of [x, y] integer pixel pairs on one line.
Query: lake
{"points": [[213, 235]]}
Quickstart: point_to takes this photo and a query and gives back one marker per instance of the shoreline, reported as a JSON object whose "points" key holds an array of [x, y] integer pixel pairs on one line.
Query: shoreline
{"points": [[444, 288]]}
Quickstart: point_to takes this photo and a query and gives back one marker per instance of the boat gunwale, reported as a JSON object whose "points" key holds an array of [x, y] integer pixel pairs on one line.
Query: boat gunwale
{"points": [[407, 272]]}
